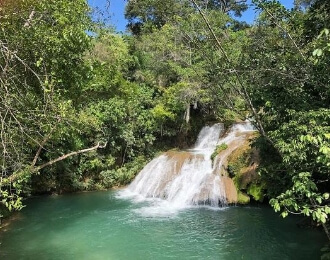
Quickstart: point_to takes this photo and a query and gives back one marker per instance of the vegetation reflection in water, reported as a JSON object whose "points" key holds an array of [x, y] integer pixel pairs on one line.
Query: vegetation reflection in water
{"points": [[101, 226]]}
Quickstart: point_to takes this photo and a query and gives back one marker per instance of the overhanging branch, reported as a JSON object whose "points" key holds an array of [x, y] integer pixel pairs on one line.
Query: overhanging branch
{"points": [[34, 169]]}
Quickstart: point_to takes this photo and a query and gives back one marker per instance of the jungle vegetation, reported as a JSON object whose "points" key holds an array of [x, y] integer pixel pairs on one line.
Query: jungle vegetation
{"points": [[83, 108]]}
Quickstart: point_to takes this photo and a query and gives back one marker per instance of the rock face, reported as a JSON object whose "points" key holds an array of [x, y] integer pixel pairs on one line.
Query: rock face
{"points": [[231, 192], [242, 165], [190, 177], [237, 141]]}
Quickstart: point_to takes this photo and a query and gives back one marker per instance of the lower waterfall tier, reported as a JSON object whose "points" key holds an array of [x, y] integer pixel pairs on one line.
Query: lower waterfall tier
{"points": [[190, 177]]}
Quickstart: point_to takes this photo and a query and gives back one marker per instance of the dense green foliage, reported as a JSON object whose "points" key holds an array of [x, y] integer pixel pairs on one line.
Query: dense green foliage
{"points": [[42, 53], [218, 149], [63, 90], [82, 108], [274, 72]]}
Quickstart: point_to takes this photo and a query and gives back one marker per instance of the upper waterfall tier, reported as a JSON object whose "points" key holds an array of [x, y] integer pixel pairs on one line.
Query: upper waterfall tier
{"points": [[209, 137]]}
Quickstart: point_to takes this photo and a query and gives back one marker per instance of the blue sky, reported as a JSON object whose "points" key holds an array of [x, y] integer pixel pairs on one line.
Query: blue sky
{"points": [[115, 11], [117, 7]]}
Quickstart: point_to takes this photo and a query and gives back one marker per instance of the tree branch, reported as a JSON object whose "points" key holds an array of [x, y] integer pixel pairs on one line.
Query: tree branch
{"points": [[245, 95], [29, 20], [283, 29], [34, 169], [98, 146]]}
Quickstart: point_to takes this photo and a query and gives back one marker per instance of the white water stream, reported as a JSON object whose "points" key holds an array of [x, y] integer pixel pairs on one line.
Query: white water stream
{"points": [[176, 180]]}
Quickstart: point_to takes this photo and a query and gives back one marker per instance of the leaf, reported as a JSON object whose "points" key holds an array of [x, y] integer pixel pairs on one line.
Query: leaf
{"points": [[39, 62], [319, 52]]}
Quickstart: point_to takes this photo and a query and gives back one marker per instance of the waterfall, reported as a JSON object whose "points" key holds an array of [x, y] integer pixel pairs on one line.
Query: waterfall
{"points": [[186, 178]]}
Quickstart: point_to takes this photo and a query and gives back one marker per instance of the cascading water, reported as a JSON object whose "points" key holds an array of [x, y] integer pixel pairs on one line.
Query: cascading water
{"points": [[186, 178]]}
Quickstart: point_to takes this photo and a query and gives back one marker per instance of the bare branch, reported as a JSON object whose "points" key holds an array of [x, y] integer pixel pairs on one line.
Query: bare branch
{"points": [[245, 95], [29, 20], [98, 146], [284, 30], [33, 169]]}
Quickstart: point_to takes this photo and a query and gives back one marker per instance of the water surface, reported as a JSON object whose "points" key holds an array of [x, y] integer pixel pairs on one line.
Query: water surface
{"points": [[100, 225]]}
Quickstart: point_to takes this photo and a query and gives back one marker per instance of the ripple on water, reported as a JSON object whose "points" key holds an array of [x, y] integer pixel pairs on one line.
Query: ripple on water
{"points": [[106, 226]]}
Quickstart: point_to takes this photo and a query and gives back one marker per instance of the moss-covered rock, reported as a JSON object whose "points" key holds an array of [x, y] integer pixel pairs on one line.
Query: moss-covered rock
{"points": [[218, 149], [237, 161], [256, 190], [242, 167], [242, 198]]}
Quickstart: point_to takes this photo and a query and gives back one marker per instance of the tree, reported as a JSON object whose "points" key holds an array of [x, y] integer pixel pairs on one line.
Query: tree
{"points": [[42, 49], [280, 80], [290, 88], [146, 14]]}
